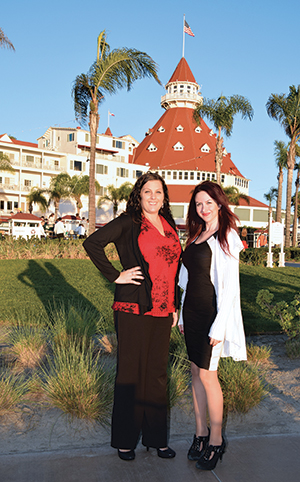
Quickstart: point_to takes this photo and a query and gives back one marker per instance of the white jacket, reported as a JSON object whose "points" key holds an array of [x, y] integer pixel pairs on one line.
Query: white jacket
{"points": [[224, 273]]}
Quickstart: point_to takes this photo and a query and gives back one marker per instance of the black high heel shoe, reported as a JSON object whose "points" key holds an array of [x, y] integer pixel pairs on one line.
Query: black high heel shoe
{"points": [[168, 453], [128, 455], [194, 452], [207, 463]]}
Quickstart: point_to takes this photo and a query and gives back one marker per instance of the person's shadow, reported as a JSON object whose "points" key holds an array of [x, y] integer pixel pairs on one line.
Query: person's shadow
{"points": [[53, 289]]}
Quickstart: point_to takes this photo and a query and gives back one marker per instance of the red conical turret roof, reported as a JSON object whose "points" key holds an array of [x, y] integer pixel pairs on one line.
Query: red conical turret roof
{"points": [[182, 73]]}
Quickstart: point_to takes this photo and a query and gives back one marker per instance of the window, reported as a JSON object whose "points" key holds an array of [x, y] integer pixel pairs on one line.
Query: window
{"points": [[70, 137], [205, 148], [161, 129], [178, 147], [168, 174], [27, 182], [198, 176], [101, 169], [174, 174], [77, 166], [192, 176], [163, 174], [198, 130], [152, 147], [179, 128], [122, 172], [186, 176], [9, 205], [87, 137], [181, 87], [2, 205], [16, 205], [138, 174], [203, 176], [1, 180], [222, 178], [29, 158], [213, 176], [118, 144], [56, 163], [97, 140], [180, 175], [208, 176]]}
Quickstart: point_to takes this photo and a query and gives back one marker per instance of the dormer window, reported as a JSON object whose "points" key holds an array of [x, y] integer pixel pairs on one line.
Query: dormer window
{"points": [[161, 129], [178, 146], [179, 128], [224, 152], [211, 133], [198, 130], [205, 148], [152, 147]]}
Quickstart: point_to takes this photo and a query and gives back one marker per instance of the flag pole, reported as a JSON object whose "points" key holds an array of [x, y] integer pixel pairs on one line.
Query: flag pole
{"points": [[108, 118], [183, 36]]}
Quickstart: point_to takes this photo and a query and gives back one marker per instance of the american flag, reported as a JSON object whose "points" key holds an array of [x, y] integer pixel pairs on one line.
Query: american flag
{"points": [[187, 29]]}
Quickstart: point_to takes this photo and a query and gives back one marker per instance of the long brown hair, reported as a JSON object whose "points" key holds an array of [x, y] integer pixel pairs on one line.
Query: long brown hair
{"points": [[133, 206], [227, 219]]}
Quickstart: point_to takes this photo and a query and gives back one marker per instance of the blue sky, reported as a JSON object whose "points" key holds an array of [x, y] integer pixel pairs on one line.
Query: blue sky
{"points": [[247, 48]]}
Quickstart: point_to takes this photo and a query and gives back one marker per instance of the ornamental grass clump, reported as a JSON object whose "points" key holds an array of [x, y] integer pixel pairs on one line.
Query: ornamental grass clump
{"points": [[73, 321], [77, 383], [178, 379], [242, 385], [258, 355], [28, 346], [12, 391]]}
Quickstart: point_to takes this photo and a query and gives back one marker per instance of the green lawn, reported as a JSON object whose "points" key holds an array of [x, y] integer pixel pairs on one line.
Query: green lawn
{"points": [[36, 284]]}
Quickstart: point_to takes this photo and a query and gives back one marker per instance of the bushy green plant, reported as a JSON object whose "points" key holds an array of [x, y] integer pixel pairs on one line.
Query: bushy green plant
{"points": [[288, 314], [73, 320], [178, 379], [293, 348], [28, 346], [12, 391], [242, 385], [76, 383], [258, 355], [254, 256]]}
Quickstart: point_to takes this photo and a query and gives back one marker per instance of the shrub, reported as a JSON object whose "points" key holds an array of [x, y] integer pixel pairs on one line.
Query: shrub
{"points": [[258, 355], [12, 391], [29, 346], [178, 379], [293, 348], [242, 386], [76, 383]]}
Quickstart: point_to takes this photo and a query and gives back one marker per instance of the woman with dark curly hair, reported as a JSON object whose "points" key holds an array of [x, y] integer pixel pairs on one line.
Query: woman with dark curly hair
{"points": [[145, 309], [211, 316]]}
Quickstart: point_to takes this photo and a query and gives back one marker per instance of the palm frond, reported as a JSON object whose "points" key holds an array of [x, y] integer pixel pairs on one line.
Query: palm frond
{"points": [[4, 41]]}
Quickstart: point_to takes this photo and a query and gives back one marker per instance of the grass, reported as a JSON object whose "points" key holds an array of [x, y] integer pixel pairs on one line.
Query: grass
{"points": [[12, 391], [39, 284], [78, 384]]}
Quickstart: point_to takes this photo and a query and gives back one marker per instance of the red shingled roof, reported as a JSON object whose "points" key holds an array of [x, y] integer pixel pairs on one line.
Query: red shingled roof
{"points": [[18, 143], [26, 216], [191, 157], [182, 73], [181, 193]]}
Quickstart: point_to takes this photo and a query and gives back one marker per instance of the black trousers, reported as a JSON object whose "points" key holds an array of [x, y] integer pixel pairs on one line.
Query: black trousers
{"points": [[140, 401]]}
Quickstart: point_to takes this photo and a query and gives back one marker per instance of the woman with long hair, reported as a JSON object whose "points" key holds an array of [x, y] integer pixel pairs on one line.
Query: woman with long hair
{"points": [[145, 309], [211, 316]]}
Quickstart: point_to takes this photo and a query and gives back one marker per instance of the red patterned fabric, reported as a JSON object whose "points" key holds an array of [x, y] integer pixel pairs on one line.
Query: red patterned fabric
{"points": [[162, 253]]}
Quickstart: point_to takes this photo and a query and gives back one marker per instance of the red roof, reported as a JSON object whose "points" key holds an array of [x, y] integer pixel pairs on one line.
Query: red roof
{"points": [[20, 143], [26, 216], [180, 193], [108, 132], [191, 157], [70, 217], [182, 73]]}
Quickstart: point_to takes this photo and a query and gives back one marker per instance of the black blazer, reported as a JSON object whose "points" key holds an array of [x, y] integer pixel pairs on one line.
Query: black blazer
{"points": [[124, 233]]}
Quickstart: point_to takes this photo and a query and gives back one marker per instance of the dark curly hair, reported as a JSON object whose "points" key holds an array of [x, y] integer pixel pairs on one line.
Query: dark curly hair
{"points": [[133, 206], [227, 219]]}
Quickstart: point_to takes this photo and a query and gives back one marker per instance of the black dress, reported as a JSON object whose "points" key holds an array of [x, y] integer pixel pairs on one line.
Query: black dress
{"points": [[199, 308]]}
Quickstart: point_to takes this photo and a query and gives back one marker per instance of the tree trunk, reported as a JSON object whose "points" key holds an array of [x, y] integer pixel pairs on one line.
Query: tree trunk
{"points": [[219, 157], [279, 196], [291, 165], [94, 123], [295, 223]]}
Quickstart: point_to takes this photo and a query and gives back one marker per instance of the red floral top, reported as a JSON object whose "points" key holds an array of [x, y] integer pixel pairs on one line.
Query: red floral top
{"points": [[162, 254]]}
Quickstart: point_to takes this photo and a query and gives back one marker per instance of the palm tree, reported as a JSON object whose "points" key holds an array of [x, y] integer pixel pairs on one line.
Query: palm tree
{"points": [[295, 202], [36, 196], [79, 186], [234, 195], [221, 113], [286, 110], [5, 164], [270, 196], [4, 41], [59, 189], [112, 70], [116, 195], [281, 162]]}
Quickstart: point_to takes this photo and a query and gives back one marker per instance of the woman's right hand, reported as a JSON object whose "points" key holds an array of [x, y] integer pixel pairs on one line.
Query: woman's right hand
{"points": [[130, 276]]}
